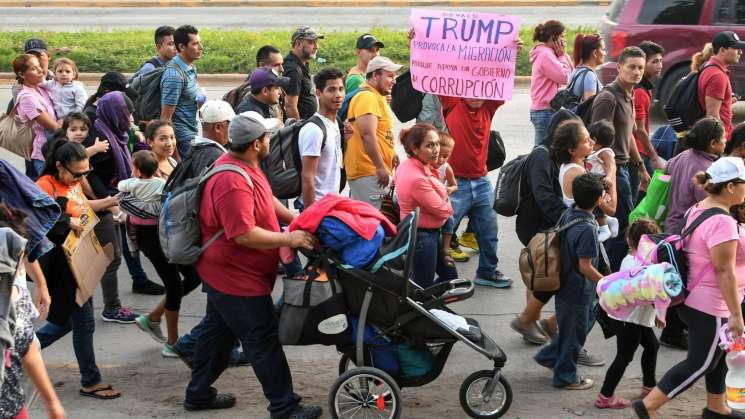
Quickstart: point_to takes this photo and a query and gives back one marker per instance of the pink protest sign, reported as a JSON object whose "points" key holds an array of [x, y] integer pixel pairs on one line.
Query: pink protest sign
{"points": [[464, 54]]}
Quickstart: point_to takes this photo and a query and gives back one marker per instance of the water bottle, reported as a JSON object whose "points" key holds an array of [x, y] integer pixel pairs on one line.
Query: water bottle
{"points": [[735, 380]]}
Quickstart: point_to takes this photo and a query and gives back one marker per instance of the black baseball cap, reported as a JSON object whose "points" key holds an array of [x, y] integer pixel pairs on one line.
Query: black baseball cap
{"points": [[368, 41], [35, 45], [727, 39]]}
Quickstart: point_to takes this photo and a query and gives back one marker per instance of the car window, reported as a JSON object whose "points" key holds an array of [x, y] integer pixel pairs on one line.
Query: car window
{"points": [[615, 9], [671, 12], [730, 12]]}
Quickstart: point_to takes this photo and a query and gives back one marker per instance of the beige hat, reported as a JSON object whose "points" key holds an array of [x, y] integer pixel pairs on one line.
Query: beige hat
{"points": [[382, 63], [215, 111]]}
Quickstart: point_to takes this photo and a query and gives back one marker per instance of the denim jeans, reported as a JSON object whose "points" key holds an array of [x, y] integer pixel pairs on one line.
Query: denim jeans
{"points": [[187, 343], [253, 321], [34, 168], [82, 324], [428, 259], [475, 198], [541, 120], [617, 247], [575, 320], [134, 266]]}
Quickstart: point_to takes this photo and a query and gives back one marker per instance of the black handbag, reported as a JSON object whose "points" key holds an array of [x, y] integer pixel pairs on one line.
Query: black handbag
{"points": [[565, 98], [314, 310], [496, 153]]}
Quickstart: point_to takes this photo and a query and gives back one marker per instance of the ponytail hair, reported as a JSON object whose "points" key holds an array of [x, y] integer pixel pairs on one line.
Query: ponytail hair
{"points": [[584, 46], [701, 57], [64, 152], [704, 180], [546, 31]]}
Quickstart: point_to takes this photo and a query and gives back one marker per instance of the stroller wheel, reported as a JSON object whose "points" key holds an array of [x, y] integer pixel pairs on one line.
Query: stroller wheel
{"points": [[363, 392], [482, 397], [345, 364]]}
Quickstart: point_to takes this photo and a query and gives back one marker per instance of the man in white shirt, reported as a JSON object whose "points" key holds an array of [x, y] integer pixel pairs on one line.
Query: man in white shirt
{"points": [[321, 154]]}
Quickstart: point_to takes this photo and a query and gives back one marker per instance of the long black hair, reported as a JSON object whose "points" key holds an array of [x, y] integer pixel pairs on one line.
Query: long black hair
{"points": [[62, 151]]}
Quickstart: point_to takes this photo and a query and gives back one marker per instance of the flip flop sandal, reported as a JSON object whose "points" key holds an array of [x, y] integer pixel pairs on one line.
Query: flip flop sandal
{"points": [[95, 393]]}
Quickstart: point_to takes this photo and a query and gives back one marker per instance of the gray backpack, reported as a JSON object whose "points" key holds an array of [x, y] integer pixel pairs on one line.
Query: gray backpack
{"points": [[178, 225]]}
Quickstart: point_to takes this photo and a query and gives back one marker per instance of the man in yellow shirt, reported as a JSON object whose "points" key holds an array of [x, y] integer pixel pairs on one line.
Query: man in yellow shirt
{"points": [[370, 156]]}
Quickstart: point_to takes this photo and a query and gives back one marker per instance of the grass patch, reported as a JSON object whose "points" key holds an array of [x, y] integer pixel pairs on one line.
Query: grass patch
{"points": [[226, 51]]}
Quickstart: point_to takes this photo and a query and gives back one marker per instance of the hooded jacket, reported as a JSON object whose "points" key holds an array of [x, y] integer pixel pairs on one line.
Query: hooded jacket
{"points": [[548, 74]]}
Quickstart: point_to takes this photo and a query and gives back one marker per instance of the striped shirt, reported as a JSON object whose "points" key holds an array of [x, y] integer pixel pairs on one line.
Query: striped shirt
{"points": [[175, 91]]}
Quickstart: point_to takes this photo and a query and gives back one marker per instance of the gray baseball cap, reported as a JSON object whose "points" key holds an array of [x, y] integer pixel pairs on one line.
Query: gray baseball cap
{"points": [[247, 127]]}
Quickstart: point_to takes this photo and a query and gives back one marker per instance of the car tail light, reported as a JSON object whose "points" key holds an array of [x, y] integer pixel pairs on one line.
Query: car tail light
{"points": [[618, 42]]}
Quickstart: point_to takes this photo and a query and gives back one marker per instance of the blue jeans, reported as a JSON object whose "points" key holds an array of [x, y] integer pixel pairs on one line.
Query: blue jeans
{"points": [[575, 320], [426, 251], [253, 321], [475, 198], [186, 344], [34, 168], [134, 266], [617, 247], [82, 325], [541, 120]]}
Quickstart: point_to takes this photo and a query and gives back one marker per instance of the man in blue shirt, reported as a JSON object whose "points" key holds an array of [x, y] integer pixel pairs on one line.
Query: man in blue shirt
{"points": [[179, 88], [165, 48]]}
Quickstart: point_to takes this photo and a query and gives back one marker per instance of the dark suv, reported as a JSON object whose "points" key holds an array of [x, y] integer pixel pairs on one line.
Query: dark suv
{"points": [[682, 27]]}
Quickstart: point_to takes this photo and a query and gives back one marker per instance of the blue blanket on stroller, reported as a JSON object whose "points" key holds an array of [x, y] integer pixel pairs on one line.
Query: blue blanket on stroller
{"points": [[351, 247]]}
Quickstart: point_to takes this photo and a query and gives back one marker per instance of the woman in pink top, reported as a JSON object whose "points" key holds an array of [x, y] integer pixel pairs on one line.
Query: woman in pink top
{"points": [[551, 70], [716, 280], [418, 186], [34, 106]]}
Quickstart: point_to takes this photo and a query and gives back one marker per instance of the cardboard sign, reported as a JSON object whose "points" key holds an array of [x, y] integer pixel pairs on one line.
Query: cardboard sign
{"points": [[88, 260], [464, 54]]}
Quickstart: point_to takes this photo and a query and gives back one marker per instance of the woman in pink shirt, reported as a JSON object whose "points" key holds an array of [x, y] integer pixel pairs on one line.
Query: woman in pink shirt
{"points": [[551, 70], [716, 281], [34, 106], [418, 186]]}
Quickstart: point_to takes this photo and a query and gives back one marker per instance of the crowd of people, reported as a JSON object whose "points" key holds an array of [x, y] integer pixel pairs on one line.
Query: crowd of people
{"points": [[90, 155]]}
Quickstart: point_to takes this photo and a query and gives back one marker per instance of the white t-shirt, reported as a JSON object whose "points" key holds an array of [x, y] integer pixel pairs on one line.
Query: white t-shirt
{"points": [[310, 139]]}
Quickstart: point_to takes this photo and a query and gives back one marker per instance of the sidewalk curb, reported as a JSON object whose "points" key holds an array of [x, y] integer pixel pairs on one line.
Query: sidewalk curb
{"points": [[303, 3], [234, 79]]}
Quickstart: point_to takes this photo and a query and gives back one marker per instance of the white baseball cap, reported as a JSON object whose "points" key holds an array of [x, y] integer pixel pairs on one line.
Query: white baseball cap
{"points": [[382, 63], [726, 169], [215, 111]]}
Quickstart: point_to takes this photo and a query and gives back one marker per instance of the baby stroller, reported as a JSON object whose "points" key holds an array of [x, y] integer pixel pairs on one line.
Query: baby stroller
{"points": [[381, 296]]}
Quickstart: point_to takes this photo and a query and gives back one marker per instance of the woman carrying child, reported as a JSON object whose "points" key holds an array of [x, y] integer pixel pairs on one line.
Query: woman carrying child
{"points": [[67, 163], [418, 185], [632, 332], [151, 170]]}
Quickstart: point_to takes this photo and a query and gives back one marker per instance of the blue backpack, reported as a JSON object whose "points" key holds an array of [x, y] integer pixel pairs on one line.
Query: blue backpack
{"points": [[344, 111]]}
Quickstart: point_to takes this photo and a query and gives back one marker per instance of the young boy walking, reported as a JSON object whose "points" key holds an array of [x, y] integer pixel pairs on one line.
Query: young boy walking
{"points": [[576, 299]]}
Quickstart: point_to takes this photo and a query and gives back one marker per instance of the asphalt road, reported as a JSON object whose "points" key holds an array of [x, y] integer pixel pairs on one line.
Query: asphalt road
{"points": [[341, 18]]}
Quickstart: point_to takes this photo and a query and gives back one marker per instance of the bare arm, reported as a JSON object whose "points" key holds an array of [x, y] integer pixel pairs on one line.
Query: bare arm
{"points": [[308, 179], [258, 238], [291, 107], [47, 121], [33, 364], [104, 203], [452, 184], [166, 112], [42, 300], [712, 107], [589, 271], [723, 260], [284, 215]]}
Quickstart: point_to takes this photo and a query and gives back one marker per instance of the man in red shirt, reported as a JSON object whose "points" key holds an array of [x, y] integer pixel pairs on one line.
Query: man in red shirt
{"points": [[239, 270], [714, 86], [642, 101], [469, 122]]}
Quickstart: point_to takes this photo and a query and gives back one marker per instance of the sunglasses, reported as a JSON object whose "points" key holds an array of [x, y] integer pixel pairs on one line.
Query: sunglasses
{"points": [[78, 175]]}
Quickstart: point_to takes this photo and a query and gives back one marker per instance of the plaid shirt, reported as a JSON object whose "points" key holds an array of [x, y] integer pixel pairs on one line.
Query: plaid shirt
{"points": [[175, 91]]}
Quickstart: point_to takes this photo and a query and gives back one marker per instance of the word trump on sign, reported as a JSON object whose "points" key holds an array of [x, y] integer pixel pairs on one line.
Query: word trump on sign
{"points": [[464, 54]]}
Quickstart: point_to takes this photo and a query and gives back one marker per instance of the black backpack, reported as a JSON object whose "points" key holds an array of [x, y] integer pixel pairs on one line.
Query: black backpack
{"points": [[566, 98], [683, 108], [147, 88], [406, 102], [283, 167], [584, 110], [508, 192]]}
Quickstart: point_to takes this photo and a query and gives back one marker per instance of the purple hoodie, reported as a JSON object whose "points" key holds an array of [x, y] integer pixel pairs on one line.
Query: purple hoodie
{"points": [[548, 74]]}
